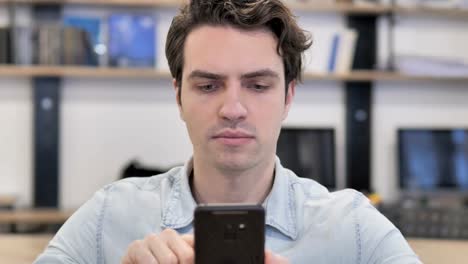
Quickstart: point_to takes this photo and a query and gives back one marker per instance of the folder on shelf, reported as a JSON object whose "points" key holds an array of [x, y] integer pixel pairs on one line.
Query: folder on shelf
{"points": [[132, 40], [89, 35]]}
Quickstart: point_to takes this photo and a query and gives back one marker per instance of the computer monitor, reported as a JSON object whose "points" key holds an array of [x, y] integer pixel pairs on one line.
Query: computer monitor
{"points": [[310, 153], [433, 160]]}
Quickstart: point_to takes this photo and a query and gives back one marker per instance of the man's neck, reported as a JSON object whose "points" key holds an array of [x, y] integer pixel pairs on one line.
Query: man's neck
{"points": [[209, 185]]}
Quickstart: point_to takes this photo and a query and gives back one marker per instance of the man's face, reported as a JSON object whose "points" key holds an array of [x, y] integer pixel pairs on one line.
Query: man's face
{"points": [[233, 96]]}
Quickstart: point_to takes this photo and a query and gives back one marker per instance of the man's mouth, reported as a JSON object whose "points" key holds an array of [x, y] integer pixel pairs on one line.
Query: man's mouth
{"points": [[234, 137]]}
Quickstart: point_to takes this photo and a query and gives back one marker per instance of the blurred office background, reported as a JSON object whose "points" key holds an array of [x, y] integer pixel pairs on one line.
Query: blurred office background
{"points": [[84, 88]]}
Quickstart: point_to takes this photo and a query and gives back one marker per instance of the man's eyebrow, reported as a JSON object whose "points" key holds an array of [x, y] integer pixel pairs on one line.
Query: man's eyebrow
{"points": [[205, 74], [260, 73], [215, 76]]}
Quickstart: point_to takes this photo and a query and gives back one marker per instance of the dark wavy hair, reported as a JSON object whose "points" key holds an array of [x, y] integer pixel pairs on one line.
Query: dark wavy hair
{"points": [[272, 15]]}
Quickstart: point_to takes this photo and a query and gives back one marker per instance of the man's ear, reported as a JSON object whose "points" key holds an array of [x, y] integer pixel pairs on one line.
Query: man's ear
{"points": [[177, 88], [289, 98]]}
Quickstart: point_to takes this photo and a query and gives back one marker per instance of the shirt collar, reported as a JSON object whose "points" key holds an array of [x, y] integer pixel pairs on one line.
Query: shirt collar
{"points": [[280, 203], [180, 205]]}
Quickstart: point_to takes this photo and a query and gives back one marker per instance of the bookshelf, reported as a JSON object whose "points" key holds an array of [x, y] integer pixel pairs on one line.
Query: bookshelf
{"points": [[311, 7], [345, 8], [357, 84], [132, 73]]}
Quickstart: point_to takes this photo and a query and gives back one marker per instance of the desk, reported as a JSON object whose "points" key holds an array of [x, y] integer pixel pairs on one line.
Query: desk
{"points": [[22, 249], [35, 216], [7, 201], [433, 251]]}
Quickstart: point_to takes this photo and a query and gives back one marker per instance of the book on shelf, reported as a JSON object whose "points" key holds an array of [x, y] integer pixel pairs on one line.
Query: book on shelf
{"points": [[77, 49], [49, 44], [5, 45], [335, 45], [331, 52], [346, 51], [435, 4], [431, 66], [23, 45], [132, 40], [440, 3]]}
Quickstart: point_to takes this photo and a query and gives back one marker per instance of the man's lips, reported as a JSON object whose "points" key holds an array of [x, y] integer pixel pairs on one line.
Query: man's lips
{"points": [[233, 134], [233, 137]]}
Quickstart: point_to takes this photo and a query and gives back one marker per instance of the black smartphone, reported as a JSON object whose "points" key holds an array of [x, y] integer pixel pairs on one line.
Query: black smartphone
{"points": [[229, 234]]}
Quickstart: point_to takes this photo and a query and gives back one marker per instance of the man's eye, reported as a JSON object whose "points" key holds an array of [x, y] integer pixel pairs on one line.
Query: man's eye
{"points": [[207, 87], [258, 87]]}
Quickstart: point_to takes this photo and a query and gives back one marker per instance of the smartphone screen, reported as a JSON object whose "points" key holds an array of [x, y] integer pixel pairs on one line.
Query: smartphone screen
{"points": [[229, 234]]}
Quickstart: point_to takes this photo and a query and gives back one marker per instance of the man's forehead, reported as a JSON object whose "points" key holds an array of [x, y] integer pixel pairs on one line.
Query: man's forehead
{"points": [[225, 50], [252, 32]]}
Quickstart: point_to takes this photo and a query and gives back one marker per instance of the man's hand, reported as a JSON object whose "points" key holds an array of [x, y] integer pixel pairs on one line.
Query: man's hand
{"points": [[171, 247], [165, 248], [272, 258]]}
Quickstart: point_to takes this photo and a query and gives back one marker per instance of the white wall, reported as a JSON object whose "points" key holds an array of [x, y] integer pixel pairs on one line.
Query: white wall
{"points": [[15, 136], [106, 123]]}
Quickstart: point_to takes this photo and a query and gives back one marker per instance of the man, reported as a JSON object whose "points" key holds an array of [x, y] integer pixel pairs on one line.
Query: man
{"points": [[235, 65]]}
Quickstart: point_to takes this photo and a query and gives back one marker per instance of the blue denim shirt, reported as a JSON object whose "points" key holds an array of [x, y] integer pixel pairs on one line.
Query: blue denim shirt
{"points": [[304, 222]]}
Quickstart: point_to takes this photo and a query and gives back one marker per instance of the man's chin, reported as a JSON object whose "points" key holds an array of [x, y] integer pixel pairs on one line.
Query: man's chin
{"points": [[235, 163]]}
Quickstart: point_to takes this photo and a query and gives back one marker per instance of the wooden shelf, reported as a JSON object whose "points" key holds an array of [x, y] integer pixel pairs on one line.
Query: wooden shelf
{"points": [[135, 73], [427, 11], [365, 76], [34, 216], [80, 71]]}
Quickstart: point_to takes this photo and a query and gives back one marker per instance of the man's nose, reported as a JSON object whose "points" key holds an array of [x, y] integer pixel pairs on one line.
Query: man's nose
{"points": [[233, 108]]}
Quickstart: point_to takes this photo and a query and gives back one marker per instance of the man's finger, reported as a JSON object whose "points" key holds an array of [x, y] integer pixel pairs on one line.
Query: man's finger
{"points": [[139, 253], [272, 258], [160, 250], [189, 239], [182, 249]]}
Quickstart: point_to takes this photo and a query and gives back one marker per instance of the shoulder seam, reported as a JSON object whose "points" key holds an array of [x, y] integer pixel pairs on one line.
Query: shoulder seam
{"points": [[99, 253], [357, 227]]}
